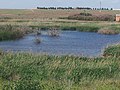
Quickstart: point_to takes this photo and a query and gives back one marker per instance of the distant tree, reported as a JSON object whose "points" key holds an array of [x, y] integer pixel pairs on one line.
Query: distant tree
{"points": [[111, 9]]}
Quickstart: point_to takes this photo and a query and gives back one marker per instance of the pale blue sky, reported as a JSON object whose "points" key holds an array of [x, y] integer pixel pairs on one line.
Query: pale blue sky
{"points": [[26, 4]]}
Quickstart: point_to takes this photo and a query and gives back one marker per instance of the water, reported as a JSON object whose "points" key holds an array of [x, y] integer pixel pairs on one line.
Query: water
{"points": [[69, 42]]}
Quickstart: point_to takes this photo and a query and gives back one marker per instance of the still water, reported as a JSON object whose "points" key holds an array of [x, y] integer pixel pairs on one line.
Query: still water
{"points": [[69, 42]]}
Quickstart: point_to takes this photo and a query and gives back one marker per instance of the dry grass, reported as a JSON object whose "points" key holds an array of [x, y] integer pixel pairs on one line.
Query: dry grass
{"points": [[107, 32], [44, 14], [50, 18]]}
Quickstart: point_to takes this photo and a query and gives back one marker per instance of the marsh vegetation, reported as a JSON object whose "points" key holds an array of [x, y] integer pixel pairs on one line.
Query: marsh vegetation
{"points": [[34, 71], [9, 32], [44, 72]]}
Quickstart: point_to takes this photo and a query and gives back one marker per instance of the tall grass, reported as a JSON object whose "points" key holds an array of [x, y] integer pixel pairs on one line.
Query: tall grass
{"points": [[28, 71], [107, 31], [9, 32], [54, 32], [112, 51]]}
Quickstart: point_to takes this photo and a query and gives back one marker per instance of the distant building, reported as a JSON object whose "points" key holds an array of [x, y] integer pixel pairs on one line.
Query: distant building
{"points": [[118, 17]]}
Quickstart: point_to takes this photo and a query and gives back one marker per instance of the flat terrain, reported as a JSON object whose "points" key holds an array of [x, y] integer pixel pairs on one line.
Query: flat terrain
{"points": [[41, 14], [50, 18], [30, 71]]}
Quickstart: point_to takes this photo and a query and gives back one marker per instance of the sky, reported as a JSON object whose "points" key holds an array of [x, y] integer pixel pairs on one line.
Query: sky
{"points": [[29, 4]]}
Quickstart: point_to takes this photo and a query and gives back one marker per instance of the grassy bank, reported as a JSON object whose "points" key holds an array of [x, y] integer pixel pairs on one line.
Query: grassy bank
{"points": [[27, 71], [84, 26], [12, 30], [112, 51]]}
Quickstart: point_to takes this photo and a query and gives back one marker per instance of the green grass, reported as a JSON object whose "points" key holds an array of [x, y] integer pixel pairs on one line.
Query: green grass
{"points": [[83, 26], [10, 32], [112, 51], [28, 71]]}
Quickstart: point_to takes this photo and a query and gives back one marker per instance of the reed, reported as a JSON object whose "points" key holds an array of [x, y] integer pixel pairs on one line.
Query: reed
{"points": [[112, 51], [44, 72], [54, 32], [37, 40], [9, 32], [107, 32]]}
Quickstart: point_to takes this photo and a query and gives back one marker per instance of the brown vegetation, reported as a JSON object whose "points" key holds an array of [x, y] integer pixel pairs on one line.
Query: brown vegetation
{"points": [[47, 14], [92, 17], [53, 32], [107, 32], [37, 40]]}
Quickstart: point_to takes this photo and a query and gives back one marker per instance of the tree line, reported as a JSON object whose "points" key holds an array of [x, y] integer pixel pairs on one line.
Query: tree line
{"points": [[80, 8]]}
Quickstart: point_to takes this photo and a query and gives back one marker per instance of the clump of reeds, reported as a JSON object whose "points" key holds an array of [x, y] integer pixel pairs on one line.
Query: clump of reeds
{"points": [[25, 29], [37, 40], [107, 31], [112, 51], [38, 32], [54, 32], [9, 32]]}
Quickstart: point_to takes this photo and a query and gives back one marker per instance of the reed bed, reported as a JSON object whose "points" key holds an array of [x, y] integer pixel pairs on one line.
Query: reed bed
{"points": [[28, 71], [84, 26], [10, 32], [112, 51], [107, 31]]}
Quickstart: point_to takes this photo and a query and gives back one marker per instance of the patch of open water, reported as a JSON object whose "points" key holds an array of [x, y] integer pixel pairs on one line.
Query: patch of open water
{"points": [[69, 42]]}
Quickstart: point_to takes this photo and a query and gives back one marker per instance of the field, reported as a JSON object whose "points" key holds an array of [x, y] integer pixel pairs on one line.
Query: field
{"points": [[33, 71], [44, 19]]}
